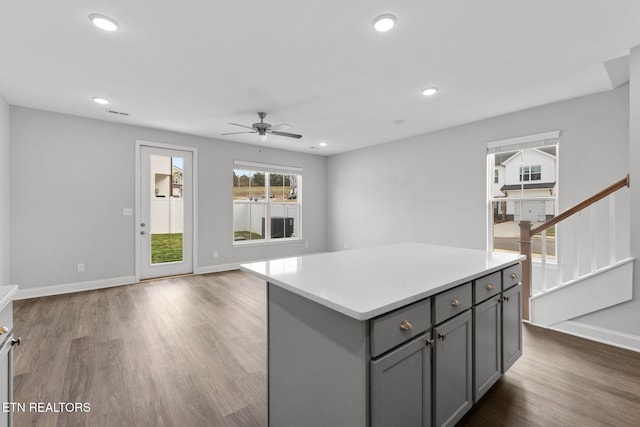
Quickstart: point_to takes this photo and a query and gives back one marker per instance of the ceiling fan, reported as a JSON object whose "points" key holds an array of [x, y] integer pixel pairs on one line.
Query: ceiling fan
{"points": [[263, 129]]}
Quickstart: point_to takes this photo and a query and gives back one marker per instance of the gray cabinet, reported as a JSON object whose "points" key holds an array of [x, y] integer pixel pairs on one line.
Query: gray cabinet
{"points": [[511, 326], [6, 361], [422, 364], [401, 386], [487, 345], [6, 376], [452, 369]]}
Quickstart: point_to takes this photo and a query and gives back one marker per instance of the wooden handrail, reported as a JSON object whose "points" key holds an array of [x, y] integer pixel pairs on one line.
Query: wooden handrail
{"points": [[624, 182], [527, 232]]}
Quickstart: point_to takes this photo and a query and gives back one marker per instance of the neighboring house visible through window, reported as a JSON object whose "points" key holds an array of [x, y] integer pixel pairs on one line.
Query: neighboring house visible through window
{"points": [[267, 202], [523, 187]]}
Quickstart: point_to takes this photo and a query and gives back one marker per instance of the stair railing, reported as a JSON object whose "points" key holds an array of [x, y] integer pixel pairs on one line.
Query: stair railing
{"points": [[527, 232]]}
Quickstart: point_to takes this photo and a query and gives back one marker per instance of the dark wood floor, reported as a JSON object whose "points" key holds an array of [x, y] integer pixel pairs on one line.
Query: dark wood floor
{"points": [[191, 351]]}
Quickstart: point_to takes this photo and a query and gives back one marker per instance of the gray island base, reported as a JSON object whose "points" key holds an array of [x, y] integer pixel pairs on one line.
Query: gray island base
{"points": [[399, 335]]}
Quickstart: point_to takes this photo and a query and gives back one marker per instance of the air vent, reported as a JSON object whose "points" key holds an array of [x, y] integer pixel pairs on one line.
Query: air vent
{"points": [[120, 113]]}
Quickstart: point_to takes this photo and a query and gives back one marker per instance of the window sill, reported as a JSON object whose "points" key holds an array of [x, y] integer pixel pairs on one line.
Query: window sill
{"points": [[241, 243]]}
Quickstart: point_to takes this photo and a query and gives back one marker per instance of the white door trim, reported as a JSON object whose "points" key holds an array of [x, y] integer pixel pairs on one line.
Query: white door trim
{"points": [[138, 176]]}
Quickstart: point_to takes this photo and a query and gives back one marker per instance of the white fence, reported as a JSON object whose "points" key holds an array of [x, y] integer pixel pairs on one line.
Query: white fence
{"points": [[167, 215]]}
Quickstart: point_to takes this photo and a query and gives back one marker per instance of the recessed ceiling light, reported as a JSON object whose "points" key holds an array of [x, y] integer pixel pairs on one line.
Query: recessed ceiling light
{"points": [[100, 101], [104, 22], [323, 144], [384, 23], [430, 91]]}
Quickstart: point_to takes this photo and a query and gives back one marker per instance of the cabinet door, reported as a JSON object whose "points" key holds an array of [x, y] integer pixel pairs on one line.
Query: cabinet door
{"points": [[511, 326], [401, 386], [452, 370], [6, 380], [487, 328]]}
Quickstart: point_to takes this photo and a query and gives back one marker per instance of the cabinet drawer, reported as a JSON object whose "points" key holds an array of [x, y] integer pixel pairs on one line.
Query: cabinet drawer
{"points": [[487, 286], [6, 317], [394, 328], [511, 276], [452, 302]]}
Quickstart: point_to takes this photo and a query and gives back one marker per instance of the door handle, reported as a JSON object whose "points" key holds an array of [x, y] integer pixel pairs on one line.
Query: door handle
{"points": [[143, 232]]}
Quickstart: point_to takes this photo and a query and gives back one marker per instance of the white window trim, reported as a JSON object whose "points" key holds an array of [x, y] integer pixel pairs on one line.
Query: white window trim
{"points": [[278, 169]]}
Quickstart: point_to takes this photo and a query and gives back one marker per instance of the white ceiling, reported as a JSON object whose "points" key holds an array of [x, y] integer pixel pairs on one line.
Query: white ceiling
{"points": [[192, 66]]}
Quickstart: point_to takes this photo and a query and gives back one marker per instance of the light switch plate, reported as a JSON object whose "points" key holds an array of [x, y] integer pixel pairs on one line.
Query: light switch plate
{"points": [[127, 211]]}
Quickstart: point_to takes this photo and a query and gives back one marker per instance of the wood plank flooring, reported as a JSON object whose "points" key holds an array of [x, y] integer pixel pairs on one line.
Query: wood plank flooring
{"points": [[191, 351], [187, 351]]}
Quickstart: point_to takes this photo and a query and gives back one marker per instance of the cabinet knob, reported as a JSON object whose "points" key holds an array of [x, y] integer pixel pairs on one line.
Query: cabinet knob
{"points": [[455, 302], [505, 298], [14, 342], [489, 287], [429, 342], [442, 336], [406, 325], [3, 330], [514, 276]]}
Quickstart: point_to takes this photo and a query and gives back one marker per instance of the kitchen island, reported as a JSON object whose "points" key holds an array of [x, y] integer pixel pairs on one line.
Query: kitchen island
{"points": [[405, 334]]}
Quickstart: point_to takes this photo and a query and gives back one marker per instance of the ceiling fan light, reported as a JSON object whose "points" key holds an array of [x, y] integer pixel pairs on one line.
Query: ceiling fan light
{"points": [[384, 23], [104, 22], [263, 137]]}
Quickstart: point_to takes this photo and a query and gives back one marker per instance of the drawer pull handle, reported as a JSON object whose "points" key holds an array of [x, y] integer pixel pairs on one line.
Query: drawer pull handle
{"points": [[442, 336], [514, 276], [455, 302], [489, 287], [406, 325], [3, 330]]}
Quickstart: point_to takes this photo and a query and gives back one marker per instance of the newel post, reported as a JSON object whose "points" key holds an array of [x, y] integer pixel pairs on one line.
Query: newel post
{"points": [[525, 249]]}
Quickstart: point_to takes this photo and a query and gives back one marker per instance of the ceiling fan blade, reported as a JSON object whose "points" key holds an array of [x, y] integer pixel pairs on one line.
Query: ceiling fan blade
{"points": [[235, 133], [287, 125], [290, 135], [237, 124]]}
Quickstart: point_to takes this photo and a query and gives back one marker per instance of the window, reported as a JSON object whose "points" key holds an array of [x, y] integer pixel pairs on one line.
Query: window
{"points": [[496, 176], [526, 189], [530, 173], [536, 173], [267, 202]]}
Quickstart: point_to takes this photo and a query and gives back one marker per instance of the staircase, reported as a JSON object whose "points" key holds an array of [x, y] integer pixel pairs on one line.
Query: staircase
{"points": [[591, 269]]}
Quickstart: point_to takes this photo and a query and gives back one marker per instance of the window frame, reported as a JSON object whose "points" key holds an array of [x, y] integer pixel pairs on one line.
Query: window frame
{"points": [[266, 200], [520, 144]]}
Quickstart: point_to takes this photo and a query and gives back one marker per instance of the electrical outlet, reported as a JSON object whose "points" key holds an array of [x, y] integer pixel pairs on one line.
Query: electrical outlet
{"points": [[306, 245], [345, 246], [215, 254], [80, 268]]}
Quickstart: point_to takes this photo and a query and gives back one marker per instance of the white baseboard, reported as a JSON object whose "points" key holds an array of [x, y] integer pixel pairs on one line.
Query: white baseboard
{"points": [[217, 268], [594, 333], [44, 291]]}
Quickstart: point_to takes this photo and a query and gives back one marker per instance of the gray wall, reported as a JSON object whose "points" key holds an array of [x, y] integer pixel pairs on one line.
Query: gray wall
{"points": [[4, 199], [387, 192], [71, 177]]}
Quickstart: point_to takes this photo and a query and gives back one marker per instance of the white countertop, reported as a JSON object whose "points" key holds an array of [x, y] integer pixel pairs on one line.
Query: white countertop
{"points": [[6, 295], [364, 283]]}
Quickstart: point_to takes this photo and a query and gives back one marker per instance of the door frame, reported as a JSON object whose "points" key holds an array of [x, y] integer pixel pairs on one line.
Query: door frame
{"points": [[138, 200]]}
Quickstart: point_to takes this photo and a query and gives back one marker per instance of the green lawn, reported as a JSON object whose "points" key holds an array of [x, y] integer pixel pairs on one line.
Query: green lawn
{"points": [[166, 248], [246, 235]]}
